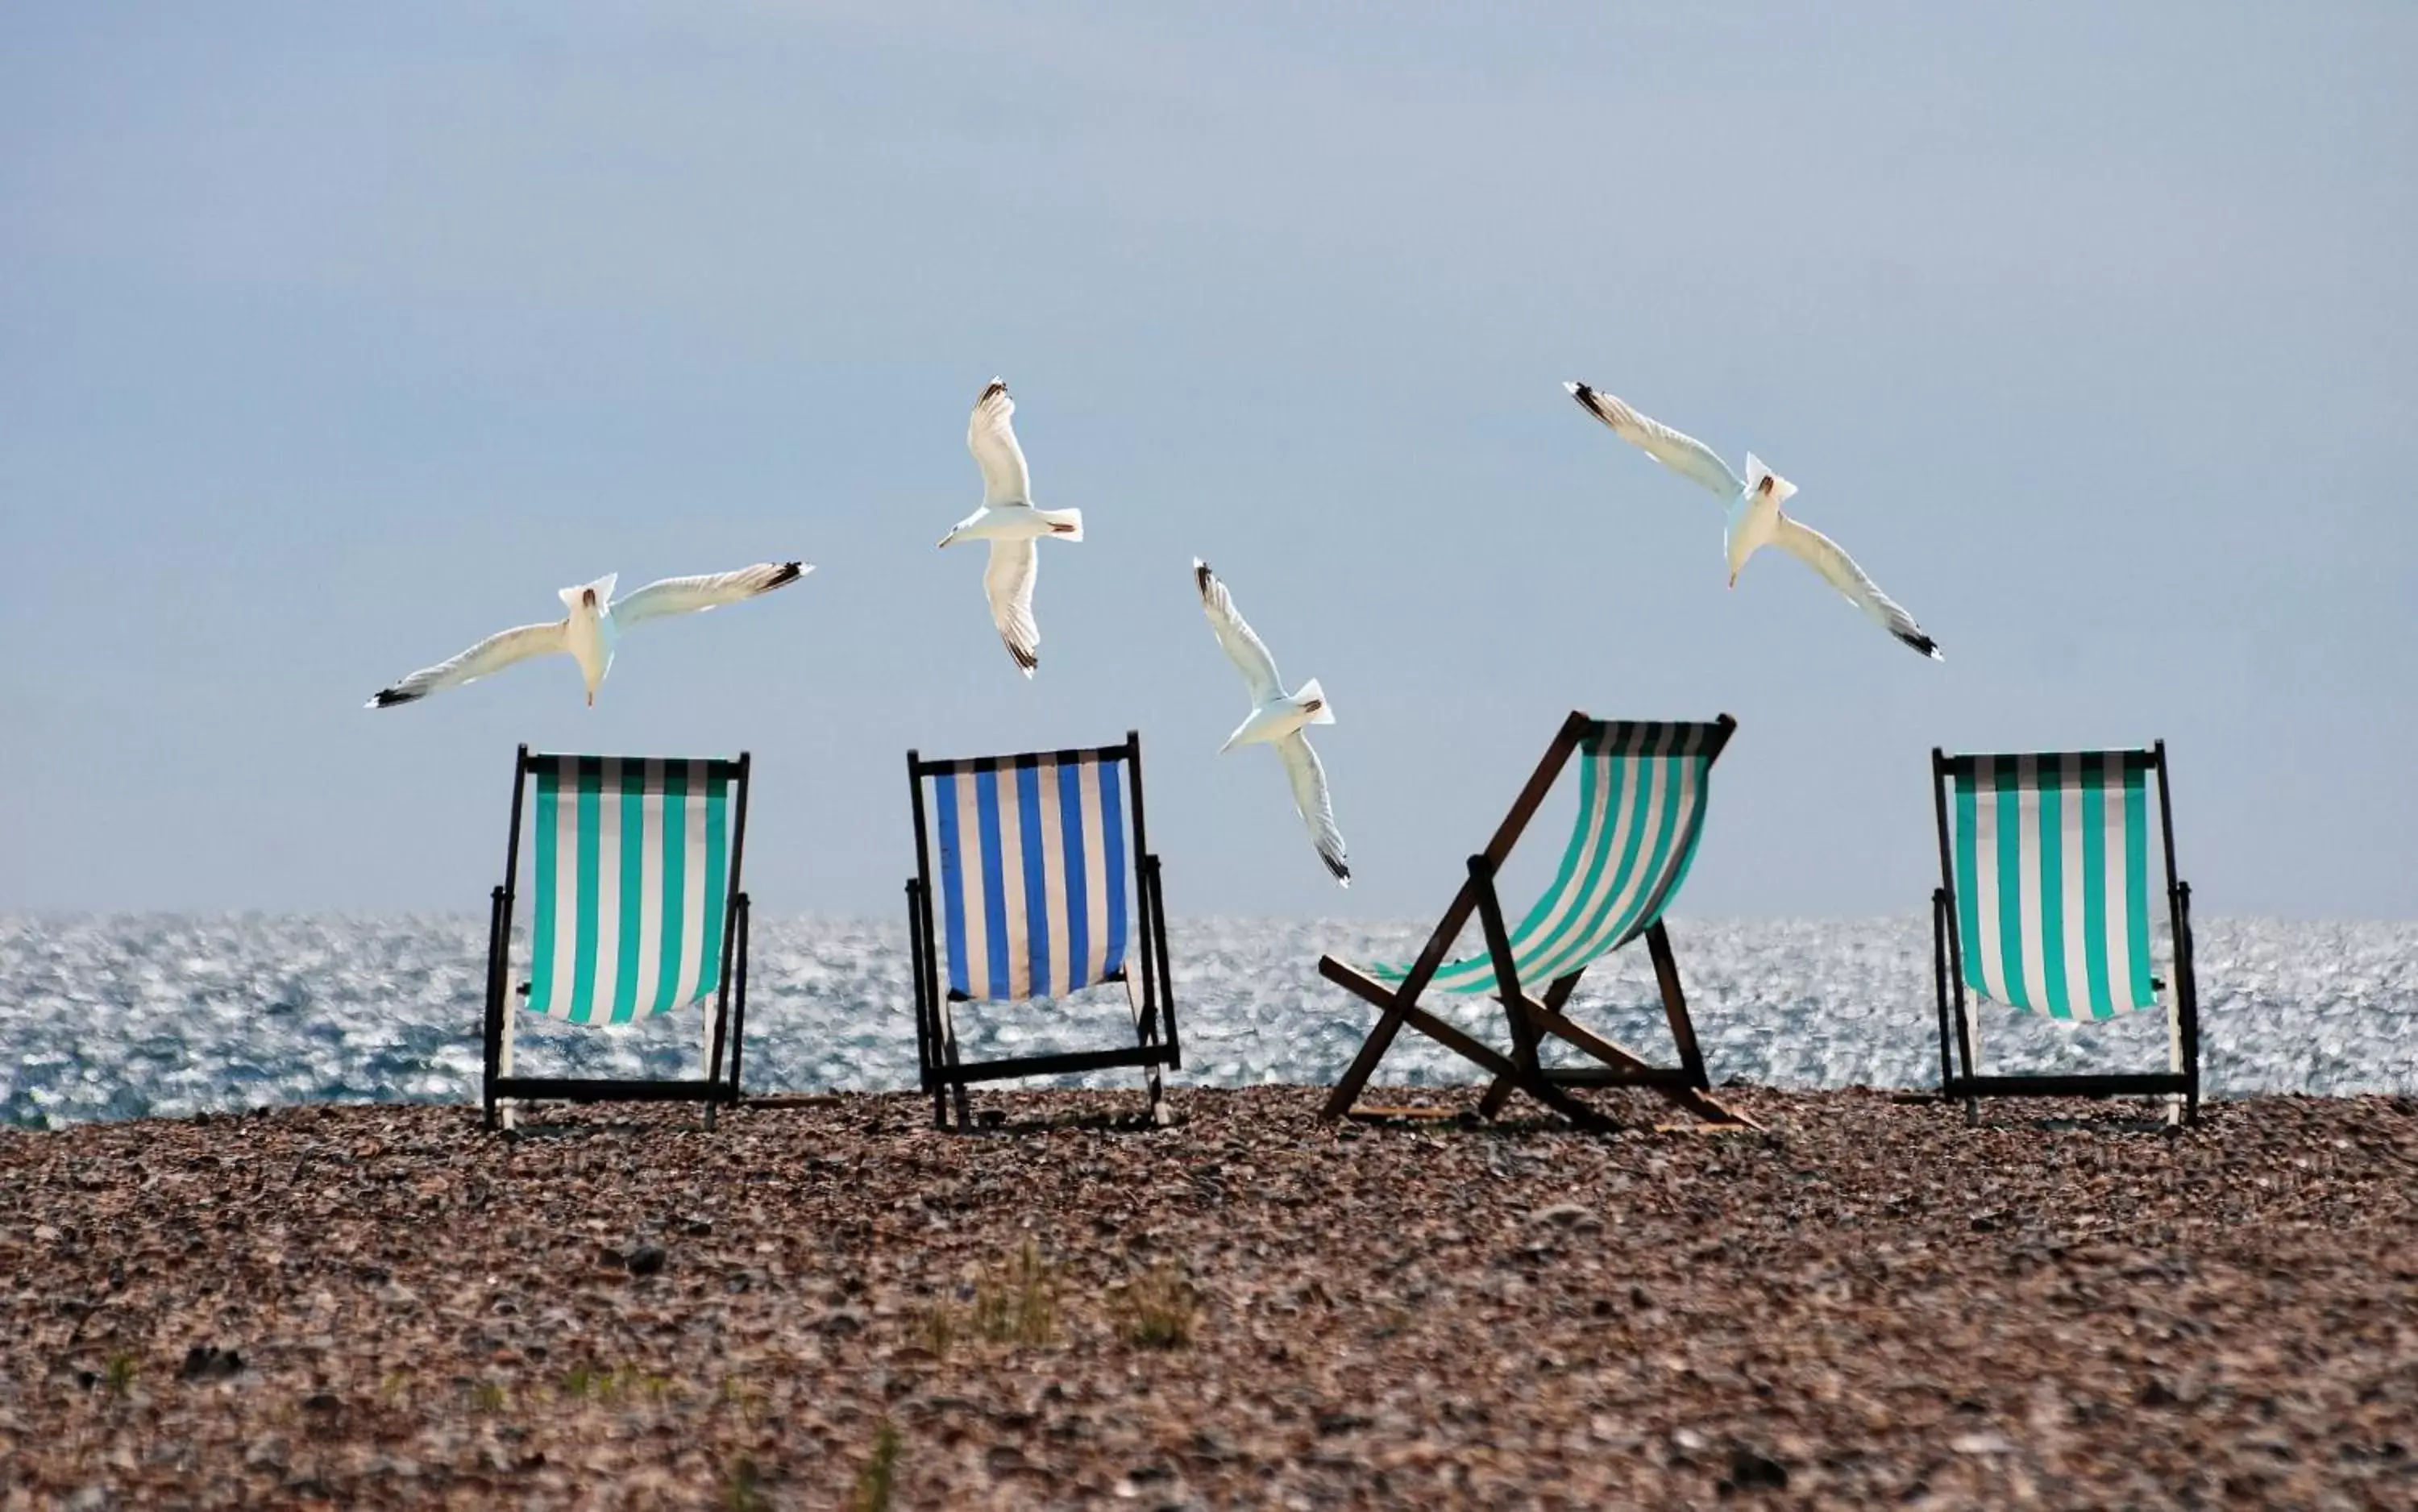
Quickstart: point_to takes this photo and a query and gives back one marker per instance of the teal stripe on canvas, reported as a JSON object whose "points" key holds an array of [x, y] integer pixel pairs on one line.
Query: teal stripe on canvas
{"points": [[582, 950], [1590, 778], [671, 957], [632, 804], [1537, 959], [2137, 883], [1564, 957], [1666, 832], [1968, 880], [1616, 877], [541, 941], [2009, 807], [2051, 800], [1693, 830], [718, 884], [2093, 797]]}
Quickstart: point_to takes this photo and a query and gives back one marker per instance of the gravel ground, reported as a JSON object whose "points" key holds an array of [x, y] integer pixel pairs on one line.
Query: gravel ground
{"points": [[1870, 1303]]}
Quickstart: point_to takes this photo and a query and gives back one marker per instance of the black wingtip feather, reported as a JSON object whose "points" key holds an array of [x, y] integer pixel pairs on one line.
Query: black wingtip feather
{"points": [[994, 387], [390, 697], [1201, 576], [789, 573], [1586, 396], [1027, 660], [1343, 872], [1923, 643]]}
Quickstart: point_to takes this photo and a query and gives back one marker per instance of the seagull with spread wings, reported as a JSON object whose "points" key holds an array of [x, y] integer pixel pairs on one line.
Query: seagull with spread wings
{"points": [[1010, 522], [1276, 718], [1755, 517], [593, 623]]}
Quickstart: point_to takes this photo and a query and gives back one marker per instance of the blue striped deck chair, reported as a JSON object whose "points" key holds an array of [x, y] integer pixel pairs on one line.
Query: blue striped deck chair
{"points": [[634, 910], [1643, 791], [2044, 907], [1046, 887]]}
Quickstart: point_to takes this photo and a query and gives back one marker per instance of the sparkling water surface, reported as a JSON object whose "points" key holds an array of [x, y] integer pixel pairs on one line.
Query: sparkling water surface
{"points": [[128, 1016]]}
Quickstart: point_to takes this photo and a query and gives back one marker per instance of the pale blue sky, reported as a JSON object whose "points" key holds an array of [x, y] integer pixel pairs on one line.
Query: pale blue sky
{"points": [[334, 337]]}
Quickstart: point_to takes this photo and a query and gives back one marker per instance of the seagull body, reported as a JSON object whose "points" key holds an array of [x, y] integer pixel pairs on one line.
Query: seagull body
{"points": [[1009, 522], [1755, 517], [591, 627], [1278, 719]]}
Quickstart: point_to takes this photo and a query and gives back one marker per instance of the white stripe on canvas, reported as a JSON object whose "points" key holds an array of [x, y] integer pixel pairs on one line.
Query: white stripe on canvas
{"points": [[1095, 875], [1593, 821], [694, 980], [1613, 891], [970, 887], [2027, 879], [566, 887], [608, 894], [2119, 943], [650, 895], [2077, 954], [1011, 883], [1054, 873]]}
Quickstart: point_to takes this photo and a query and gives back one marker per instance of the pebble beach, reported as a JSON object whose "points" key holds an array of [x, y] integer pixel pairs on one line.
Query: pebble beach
{"points": [[830, 1305]]}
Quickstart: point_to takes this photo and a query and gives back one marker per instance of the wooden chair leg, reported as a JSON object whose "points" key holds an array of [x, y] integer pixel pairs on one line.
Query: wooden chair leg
{"points": [[1675, 1004]]}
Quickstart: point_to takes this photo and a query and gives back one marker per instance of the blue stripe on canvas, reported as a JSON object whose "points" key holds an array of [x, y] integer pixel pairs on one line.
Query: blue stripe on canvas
{"points": [[1112, 821], [994, 879], [953, 886]]}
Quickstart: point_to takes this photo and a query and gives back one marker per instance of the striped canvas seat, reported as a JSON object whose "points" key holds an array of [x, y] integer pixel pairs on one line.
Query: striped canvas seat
{"points": [[1643, 789], [1642, 794], [2045, 905], [1033, 876], [632, 867], [1040, 893], [2053, 881], [631, 880]]}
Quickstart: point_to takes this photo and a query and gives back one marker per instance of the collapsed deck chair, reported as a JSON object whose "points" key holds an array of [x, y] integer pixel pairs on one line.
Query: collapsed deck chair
{"points": [[637, 911], [1034, 892], [2044, 905], [1641, 793]]}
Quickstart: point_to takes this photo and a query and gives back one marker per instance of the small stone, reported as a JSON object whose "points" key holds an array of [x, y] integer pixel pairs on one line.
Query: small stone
{"points": [[208, 1362], [647, 1260], [1750, 1471], [1981, 1443], [1567, 1215], [322, 1402]]}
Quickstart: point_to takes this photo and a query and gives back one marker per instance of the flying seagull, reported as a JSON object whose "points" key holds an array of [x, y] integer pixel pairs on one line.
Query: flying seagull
{"points": [[1276, 718], [1755, 517], [595, 623], [1010, 522]]}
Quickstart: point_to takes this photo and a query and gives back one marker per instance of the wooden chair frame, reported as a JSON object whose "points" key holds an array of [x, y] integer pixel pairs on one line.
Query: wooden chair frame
{"points": [[730, 998], [1958, 1031], [1529, 1017], [1150, 987]]}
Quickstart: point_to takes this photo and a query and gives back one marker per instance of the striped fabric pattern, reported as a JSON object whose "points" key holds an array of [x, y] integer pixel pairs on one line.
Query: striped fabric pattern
{"points": [[1032, 875], [1642, 792], [2052, 858], [632, 875]]}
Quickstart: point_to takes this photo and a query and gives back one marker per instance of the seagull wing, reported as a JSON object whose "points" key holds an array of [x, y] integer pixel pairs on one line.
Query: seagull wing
{"points": [[688, 595], [1683, 454], [1245, 649], [992, 440], [496, 652], [1839, 570], [1007, 582], [1310, 799]]}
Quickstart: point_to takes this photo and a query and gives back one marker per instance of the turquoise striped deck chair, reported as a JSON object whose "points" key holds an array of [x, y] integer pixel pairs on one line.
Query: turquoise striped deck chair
{"points": [[1642, 791], [636, 910], [2044, 907], [1046, 887]]}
